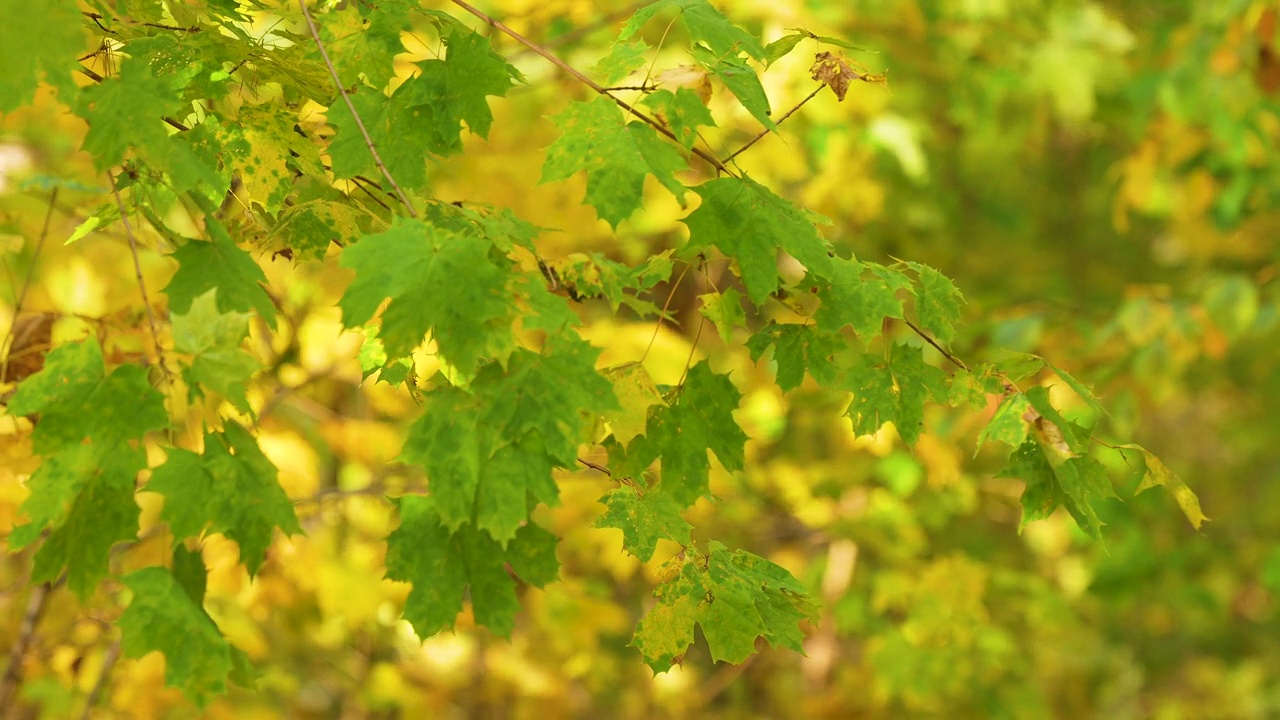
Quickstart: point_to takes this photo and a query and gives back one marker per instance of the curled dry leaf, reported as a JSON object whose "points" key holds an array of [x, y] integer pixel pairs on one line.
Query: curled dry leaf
{"points": [[31, 338], [689, 76], [837, 72]]}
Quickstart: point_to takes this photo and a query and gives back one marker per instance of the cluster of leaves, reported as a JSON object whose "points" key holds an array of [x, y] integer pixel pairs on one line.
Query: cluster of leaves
{"points": [[516, 393]]}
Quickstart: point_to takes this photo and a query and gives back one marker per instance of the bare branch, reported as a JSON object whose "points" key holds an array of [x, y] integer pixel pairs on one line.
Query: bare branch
{"points": [[36, 603], [137, 269]]}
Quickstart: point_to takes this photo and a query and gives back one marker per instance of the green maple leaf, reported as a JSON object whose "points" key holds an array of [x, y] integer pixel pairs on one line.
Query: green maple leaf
{"points": [[623, 59], [894, 390], [124, 113], [38, 40], [644, 519], [442, 564], [684, 112], [365, 38], [555, 393], [700, 418], [1080, 389], [454, 90], [84, 496], [310, 228], [1075, 483], [746, 221], [860, 295], [616, 156], [705, 25], [424, 115], [489, 453], [218, 263], [397, 128], [1007, 424], [231, 489], [163, 617], [724, 310], [78, 401], [797, 349], [741, 80], [938, 302], [214, 339], [636, 393], [736, 597], [439, 282]]}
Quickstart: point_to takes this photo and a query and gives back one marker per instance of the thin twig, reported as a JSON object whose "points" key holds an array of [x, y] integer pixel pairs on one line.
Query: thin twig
{"points": [[137, 269], [663, 313], [925, 336], [368, 141], [566, 67], [13, 673], [108, 663], [596, 466], [7, 345], [766, 131]]}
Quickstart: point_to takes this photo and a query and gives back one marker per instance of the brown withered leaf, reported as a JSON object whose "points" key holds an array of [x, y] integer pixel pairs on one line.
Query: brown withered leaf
{"points": [[31, 337], [836, 72]]}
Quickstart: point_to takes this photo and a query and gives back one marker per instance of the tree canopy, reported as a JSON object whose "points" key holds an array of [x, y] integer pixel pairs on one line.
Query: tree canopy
{"points": [[686, 358]]}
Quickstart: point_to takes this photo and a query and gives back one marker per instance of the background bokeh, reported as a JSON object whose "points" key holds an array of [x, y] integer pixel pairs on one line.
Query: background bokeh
{"points": [[1099, 178]]}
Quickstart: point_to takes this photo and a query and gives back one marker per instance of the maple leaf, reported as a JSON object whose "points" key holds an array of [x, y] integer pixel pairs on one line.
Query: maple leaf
{"points": [[1052, 482], [705, 25], [636, 393], [894, 390], [616, 156], [797, 349], [439, 282], [644, 519], [698, 419], [214, 339], [363, 39], [489, 452], [724, 310], [1006, 425], [442, 564], [163, 617], [549, 393], [683, 112], [861, 295], [834, 72], [124, 113], [230, 489], [742, 81], [84, 496], [746, 221], [425, 113], [217, 263], [938, 302], [38, 40], [623, 59], [78, 401], [1158, 474], [311, 227], [736, 597]]}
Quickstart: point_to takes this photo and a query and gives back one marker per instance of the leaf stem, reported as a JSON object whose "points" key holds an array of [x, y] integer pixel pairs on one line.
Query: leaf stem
{"points": [[368, 141], [137, 269], [927, 338], [573, 72]]}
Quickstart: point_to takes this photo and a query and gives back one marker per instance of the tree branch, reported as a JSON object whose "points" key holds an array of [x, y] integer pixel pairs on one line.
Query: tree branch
{"points": [[368, 141], [13, 673], [566, 67], [766, 131], [137, 269], [925, 336]]}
